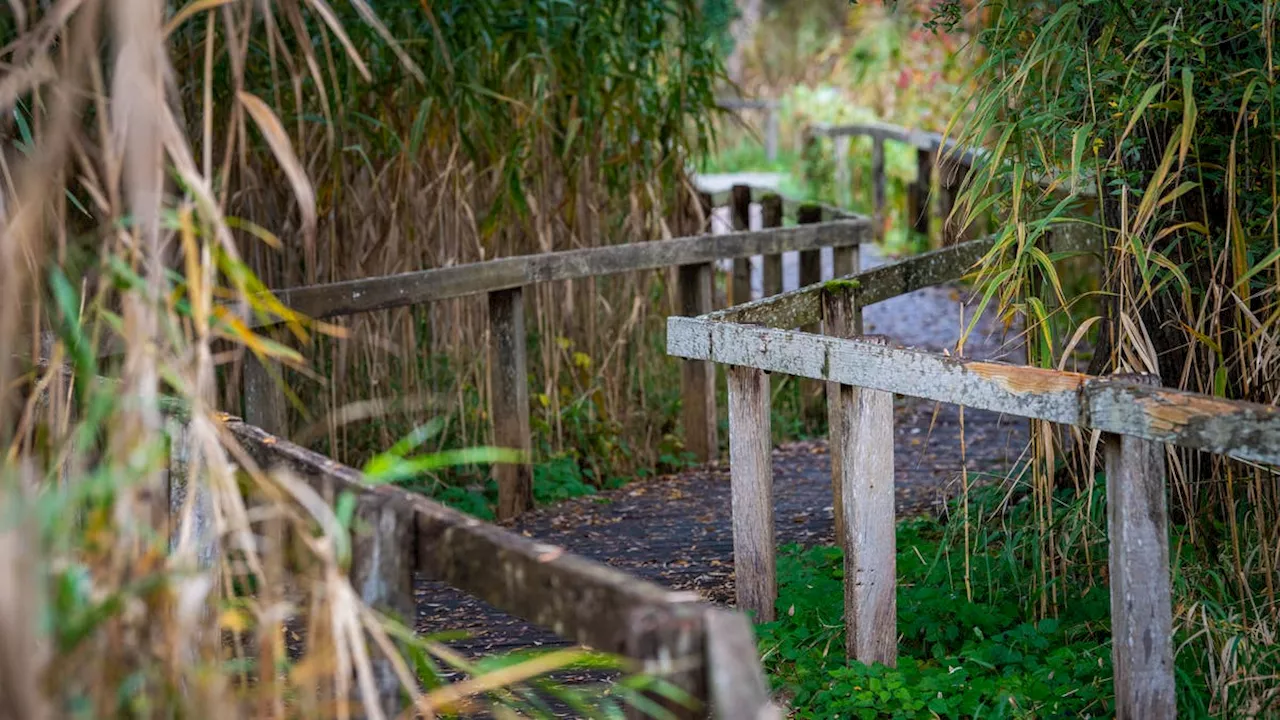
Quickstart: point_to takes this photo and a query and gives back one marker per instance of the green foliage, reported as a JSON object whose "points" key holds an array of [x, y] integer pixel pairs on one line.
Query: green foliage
{"points": [[959, 656]]}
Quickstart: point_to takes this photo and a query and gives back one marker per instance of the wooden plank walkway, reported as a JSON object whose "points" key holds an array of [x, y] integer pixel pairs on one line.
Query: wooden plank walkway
{"points": [[676, 530]]}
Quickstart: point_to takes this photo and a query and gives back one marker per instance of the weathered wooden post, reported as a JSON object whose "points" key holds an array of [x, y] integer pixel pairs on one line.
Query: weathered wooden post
{"points": [[844, 181], [771, 130], [509, 388], [741, 208], [810, 274], [842, 318], [1141, 601], [706, 206], [870, 570], [918, 194], [191, 523], [698, 377], [950, 176], [751, 478], [878, 188], [771, 217], [382, 567], [265, 405]]}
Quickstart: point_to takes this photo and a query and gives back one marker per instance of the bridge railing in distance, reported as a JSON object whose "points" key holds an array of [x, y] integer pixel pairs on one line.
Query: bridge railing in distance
{"points": [[770, 110], [934, 153], [504, 280], [862, 373]]}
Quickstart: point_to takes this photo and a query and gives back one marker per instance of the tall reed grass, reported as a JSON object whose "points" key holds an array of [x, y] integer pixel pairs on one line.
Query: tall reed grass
{"points": [[1156, 125], [498, 128], [159, 166]]}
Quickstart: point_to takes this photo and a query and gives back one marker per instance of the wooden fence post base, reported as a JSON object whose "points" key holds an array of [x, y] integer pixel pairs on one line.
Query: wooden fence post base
{"points": [[509, 387], [698, 377], [751, 475], [870, 603], [1141, 601]]}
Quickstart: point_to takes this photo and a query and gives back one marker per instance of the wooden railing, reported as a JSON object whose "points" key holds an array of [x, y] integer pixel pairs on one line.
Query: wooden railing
{"points": [[400, 537], [934, 153], [504, 280], [862, 374]]}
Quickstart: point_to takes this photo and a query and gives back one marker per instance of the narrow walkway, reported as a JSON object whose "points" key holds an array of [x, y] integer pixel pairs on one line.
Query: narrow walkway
{"points": [[676, 530]]}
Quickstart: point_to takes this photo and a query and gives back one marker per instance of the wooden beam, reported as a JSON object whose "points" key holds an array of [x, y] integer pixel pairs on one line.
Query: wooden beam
{"points": [[1016, 390], [383, 557], [698, 377], [509, 391], [734, 679], [1242, 430], [811, 394], [741, 215], [751, 476], [865, 419], [1141, 601], [380, 293], [804, 306], [791, 206]]}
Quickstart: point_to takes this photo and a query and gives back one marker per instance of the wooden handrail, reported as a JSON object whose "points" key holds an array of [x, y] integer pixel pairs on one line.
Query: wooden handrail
{"points": [[709, 651], [862, 373], [414, 288]]}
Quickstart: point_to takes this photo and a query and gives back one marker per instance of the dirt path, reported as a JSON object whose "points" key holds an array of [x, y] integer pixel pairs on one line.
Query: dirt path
{"points": [[676, 530]]}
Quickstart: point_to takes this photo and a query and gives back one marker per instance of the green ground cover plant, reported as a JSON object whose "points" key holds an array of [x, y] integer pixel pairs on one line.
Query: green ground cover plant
{"points": [[964, 652]]}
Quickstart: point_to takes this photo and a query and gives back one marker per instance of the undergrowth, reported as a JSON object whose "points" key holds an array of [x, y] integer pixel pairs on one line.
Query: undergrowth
{"points": [[976, 653]]}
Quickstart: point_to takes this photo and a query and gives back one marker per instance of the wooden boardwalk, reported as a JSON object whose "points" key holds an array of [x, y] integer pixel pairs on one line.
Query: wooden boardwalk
{"points": [[676, 530]]}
